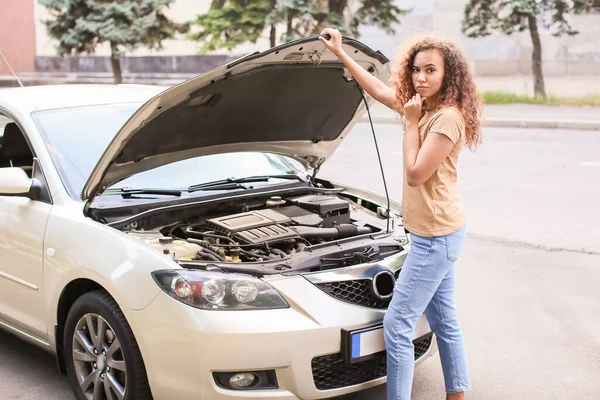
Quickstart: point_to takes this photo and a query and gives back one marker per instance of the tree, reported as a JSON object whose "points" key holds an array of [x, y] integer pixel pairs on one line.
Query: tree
{"points": [[81, 25], [482, 17], [229, 23]]}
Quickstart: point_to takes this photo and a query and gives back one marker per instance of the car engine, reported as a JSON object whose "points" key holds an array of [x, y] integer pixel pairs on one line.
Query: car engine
{"points": [[311, 231]]}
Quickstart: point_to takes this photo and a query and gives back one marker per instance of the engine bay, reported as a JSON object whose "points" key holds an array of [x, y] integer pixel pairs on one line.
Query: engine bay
{"points": [[306, 232]]}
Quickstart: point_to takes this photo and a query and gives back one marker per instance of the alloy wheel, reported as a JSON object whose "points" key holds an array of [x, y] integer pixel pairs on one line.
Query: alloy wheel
{"points": [[98, 359]]}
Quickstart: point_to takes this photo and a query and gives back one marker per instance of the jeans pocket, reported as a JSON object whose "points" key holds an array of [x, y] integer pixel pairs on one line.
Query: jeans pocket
{"points": [[455, 242]]}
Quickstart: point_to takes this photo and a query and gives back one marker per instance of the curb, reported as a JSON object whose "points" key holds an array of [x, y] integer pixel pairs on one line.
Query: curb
{"points": [[543, 124], [512, 123]]}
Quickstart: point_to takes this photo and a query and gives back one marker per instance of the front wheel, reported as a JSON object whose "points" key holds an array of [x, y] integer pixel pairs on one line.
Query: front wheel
{"points": [[102, 356]]}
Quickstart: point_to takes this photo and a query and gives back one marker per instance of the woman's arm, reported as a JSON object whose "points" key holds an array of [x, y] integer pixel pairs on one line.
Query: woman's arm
{"points": [[420, 162], [373, 86]]}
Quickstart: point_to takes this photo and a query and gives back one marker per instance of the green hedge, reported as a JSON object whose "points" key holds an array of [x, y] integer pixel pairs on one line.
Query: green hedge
{"points": [[502, 97]]}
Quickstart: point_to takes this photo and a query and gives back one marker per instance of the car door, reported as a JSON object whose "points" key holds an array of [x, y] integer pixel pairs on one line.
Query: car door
{"points": [[22, 226]]}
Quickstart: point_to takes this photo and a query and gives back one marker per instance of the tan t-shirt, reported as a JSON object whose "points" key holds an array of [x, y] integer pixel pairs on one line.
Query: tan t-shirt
{"points": [[434, 208]]}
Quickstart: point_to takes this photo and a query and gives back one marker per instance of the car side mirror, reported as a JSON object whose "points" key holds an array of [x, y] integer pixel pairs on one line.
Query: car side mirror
{"points": [[15, 182]]}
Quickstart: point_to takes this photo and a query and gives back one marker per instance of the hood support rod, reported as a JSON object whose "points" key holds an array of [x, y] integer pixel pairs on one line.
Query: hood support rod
{"points": [[387, 196]]}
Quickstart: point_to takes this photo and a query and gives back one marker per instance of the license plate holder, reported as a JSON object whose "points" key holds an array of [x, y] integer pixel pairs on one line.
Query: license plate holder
{"points": [[362, 342]]}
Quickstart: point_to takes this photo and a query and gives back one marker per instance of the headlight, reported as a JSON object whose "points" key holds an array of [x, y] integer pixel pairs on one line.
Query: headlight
{"points": [[218, 291]]}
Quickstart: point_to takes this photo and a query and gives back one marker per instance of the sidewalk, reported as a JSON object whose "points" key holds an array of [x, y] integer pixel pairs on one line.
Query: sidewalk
{"points": [[58, 78], [531, 115], [512, 115], [519, 116]]}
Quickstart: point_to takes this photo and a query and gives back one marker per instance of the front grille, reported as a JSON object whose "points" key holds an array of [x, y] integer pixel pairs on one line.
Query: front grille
{"points": [[357, 292], [332, 372], [422, 345]]}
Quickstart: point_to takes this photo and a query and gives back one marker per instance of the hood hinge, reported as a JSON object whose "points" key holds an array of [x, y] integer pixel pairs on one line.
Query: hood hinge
{"points": [[316, 169], [88, 202]]}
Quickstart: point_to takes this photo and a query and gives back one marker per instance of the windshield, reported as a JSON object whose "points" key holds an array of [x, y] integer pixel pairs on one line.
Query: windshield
{"points": [[77, 137]]}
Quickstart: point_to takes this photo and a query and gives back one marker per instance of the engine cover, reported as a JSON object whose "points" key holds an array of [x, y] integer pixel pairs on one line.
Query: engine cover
{"points": [[248, 220], [255, 227], [266, 234]]}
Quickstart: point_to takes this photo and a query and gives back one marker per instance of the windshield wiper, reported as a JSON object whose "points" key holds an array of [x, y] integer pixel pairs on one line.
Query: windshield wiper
{"points": [[127, 193], [236, 183]]}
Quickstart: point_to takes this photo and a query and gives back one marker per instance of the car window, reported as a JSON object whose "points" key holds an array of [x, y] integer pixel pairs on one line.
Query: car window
{"points": [[197, 170], [14, 149], [77, 137], [3, 121]]}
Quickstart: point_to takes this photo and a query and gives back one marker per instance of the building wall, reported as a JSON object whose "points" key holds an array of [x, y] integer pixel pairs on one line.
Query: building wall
{"points": [[497, 54], [17, 35], [494, 55]]}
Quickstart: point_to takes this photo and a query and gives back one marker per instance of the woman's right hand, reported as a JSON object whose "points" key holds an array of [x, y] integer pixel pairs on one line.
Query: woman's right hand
{"points": [[334, 44]]}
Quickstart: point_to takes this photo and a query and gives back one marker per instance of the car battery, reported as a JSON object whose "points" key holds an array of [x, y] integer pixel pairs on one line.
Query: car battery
{"points": [[332, 209]]}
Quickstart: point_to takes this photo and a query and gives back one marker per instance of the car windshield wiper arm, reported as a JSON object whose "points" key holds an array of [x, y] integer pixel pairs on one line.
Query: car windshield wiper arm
{"points": [[127, 193], [219, 186], [234, 183]]}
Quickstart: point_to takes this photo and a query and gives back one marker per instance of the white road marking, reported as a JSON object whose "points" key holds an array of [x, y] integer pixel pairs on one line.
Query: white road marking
{"points": [[589, 164]]}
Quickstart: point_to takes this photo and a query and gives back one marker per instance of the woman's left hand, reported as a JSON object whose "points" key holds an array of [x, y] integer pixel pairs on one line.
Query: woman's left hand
{"points": [[413, 108]]}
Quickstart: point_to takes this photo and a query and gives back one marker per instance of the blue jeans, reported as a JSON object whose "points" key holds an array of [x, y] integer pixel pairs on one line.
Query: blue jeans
{"points": [[426, 285]]}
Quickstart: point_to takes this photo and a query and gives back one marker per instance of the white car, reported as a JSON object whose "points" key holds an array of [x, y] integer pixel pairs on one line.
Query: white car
{"points": [[179, 244]]}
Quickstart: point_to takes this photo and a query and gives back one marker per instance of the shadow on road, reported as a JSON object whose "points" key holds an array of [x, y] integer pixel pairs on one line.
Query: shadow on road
{"points": [[28, 373]]}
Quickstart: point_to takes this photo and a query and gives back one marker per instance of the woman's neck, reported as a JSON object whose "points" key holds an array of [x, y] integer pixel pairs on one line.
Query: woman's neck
{"points": [[431, 103]]}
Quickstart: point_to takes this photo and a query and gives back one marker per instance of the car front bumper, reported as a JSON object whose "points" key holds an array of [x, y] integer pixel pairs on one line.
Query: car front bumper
{"points": [[183, 346]]}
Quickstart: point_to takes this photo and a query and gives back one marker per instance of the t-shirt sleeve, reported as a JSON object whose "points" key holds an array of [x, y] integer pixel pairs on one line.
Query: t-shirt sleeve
{"points": [[450, 123]]}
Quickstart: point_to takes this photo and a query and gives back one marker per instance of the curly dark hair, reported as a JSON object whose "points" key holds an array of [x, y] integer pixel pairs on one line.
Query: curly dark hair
{"points": [[458, 87]]}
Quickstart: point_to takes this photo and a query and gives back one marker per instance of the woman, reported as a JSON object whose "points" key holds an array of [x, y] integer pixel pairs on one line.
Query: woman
{"points": [[433, 90]]}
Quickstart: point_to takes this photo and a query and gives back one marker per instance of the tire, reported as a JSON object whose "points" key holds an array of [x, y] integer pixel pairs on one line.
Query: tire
{"points": [[109, 364]]}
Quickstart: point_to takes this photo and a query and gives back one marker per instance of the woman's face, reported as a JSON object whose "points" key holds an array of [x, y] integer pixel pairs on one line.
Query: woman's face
{"points": [[428, 73]]}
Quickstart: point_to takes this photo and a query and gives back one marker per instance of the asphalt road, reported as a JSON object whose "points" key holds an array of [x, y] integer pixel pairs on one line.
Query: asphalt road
{"points": [[527, 282], [540, 187]]}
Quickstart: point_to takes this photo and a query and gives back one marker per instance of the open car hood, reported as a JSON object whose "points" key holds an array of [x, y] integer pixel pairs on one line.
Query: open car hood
{"points": [[296, 99]]}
